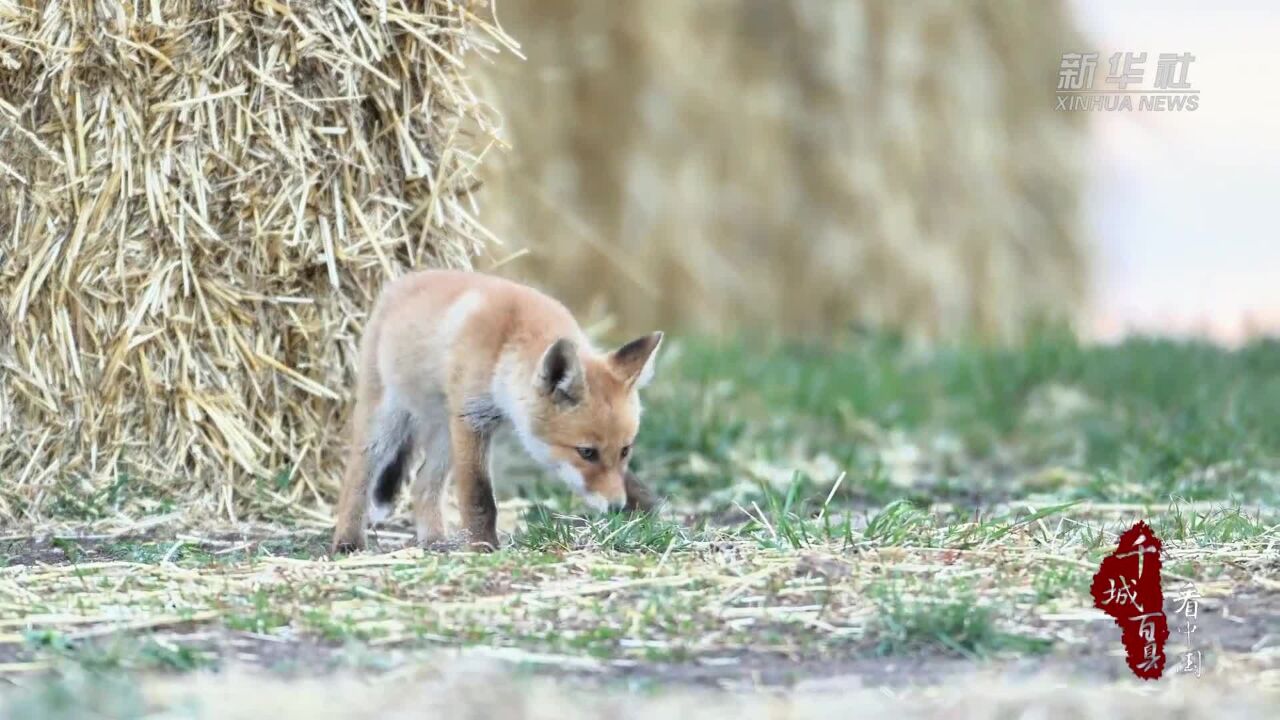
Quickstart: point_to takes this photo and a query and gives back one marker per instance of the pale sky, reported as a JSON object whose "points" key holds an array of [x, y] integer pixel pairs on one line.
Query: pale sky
{"points": [[1181, 207]]}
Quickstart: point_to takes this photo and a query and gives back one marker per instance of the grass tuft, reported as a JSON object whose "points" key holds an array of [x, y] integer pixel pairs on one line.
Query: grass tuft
{"points": [[546, 530], [915, 615]]}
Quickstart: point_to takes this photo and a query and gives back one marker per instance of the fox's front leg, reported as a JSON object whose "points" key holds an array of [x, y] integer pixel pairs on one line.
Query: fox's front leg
{"points": [[474, 488]]}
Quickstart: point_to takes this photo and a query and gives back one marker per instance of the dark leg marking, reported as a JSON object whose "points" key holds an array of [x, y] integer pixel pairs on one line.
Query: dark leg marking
{"points": [[392, 477]]}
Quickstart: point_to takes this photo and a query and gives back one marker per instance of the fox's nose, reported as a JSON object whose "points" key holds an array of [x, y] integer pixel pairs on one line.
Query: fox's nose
{"points": [[615, 492]]}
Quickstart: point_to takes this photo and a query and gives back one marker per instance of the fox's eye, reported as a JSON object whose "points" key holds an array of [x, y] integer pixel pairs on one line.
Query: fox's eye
{"points": [[626, 451], [589, 454]]}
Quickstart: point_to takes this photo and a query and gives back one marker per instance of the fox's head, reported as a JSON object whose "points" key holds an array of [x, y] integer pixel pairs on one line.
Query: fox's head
{"points": [[586, 414]]}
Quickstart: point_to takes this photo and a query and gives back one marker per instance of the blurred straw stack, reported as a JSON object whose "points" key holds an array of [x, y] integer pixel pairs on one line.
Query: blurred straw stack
{"points": [[197, 203], [796, 166]]}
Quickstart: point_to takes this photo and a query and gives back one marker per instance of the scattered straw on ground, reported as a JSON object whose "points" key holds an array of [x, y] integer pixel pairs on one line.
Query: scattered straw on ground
{"points": [[733, 600]]}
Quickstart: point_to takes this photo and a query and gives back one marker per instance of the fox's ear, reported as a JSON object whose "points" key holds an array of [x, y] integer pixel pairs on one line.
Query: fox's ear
{"points": [[560, 373], [634, 361]]}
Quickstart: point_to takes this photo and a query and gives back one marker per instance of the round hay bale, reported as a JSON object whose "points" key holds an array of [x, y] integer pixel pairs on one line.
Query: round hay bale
{"points": [[795, 166], [198, 200]]}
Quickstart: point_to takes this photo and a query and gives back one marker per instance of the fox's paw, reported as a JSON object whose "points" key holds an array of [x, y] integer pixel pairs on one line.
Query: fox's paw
{"points": [[482, 542], [347, 542]]}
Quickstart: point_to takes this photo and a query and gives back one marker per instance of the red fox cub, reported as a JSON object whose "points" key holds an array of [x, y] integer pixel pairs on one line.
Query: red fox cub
{"points": [[449, 356]]}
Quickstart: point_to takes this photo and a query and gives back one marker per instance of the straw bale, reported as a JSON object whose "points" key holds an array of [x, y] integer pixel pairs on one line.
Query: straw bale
{"points": [[797, 166], [198, 199]]}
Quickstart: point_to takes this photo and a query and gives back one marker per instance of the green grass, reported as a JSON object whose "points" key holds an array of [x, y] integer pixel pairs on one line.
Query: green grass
{"points": [[1144, 421], [72, 501], [119, 653], [1054, 582], [546, 530], [899, 523], [1219, 525], [153, 552], [940, 616], [263, 614], [76, 695]]}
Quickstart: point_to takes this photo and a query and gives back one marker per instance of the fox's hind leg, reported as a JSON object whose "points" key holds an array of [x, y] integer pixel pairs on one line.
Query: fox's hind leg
{"points": [[381, 449], [353, 498], [431, 478]]}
